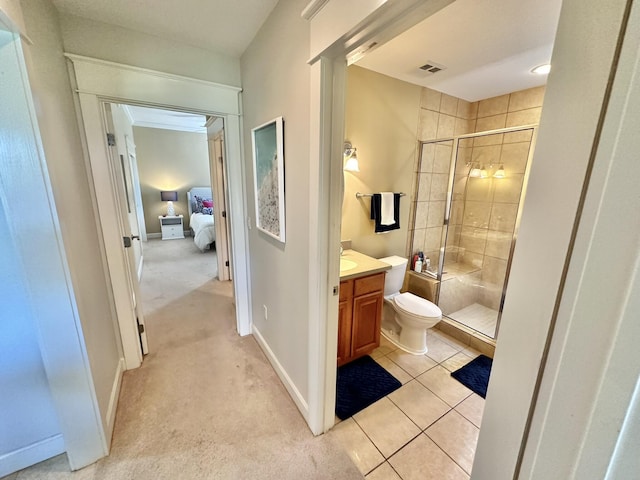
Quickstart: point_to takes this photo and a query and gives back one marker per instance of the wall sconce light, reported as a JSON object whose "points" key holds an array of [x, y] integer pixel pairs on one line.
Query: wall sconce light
{"points": [[169, 197], [500, 173], [483, 172], [351, 158], [475, 171]]}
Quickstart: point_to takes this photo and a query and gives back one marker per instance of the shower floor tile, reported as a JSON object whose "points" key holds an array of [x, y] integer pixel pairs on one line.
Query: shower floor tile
{"points": [[478, 317]]}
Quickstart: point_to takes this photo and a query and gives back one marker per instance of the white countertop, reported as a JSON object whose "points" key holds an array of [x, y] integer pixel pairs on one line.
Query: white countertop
{"points": [[364, 265]]}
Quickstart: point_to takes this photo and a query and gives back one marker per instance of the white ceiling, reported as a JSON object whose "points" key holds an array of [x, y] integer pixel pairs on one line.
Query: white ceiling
{"points": [[488, 46], [166, 119], [223, 26]]}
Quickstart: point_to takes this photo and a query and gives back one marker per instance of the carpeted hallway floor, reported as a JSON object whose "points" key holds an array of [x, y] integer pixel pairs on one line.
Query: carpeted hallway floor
{"points": [[205, 404]]}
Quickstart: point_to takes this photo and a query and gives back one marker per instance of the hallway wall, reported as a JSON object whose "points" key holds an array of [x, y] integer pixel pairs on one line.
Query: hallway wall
{"points": [[27, 409], [121, 45], [51, 90], [169, 160], [274, 85]]}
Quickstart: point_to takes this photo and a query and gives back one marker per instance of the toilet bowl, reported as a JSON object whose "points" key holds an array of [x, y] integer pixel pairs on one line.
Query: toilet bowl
{"points": [[405, 316]]}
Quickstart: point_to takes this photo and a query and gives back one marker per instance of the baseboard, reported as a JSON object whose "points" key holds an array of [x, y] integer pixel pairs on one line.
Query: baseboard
{"points": [[294, 393], [113, 403], [154, 235], [30, 455]]}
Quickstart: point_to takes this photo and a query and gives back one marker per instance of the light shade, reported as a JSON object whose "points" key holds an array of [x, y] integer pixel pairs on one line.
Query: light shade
{"points": [[474, 172], [351, 158], [352, 164], [169, 196], [500, 172]]}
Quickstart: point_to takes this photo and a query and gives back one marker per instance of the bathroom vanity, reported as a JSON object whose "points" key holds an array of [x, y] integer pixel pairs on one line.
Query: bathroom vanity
{"points": [[360, 307]]}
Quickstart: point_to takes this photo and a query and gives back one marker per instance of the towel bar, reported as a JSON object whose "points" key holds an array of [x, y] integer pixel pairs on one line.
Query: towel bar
{"points": [[360, 195]]}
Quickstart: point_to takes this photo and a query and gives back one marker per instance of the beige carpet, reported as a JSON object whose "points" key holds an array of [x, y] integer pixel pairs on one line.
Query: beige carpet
{"points": [[206, 403]]}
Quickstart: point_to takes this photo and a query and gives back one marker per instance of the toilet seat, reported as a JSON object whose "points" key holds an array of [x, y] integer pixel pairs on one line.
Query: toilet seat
{"points": [[418, 306]]}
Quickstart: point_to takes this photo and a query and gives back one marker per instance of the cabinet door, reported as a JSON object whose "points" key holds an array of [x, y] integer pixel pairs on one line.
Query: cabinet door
{"points": [[367, 313], [344, 331]]}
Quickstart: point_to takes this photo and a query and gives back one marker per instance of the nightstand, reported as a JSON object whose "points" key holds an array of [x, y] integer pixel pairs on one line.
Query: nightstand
{"points": [[171, 227]]}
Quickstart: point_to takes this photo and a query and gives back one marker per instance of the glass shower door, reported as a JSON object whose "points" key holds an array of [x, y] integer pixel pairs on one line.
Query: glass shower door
{"points": [[486, 191]]}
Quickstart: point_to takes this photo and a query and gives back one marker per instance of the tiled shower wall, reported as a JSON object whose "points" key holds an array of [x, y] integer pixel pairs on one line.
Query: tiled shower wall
{"points": [[441, 116], [480, 231]]}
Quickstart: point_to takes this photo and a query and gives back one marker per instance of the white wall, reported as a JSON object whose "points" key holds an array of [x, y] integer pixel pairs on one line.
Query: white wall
{"points": [[27, 412], [276, 82], [43, 328], [568, 131], [170, 160], [49, 80], [381, 121], [117, 44]]}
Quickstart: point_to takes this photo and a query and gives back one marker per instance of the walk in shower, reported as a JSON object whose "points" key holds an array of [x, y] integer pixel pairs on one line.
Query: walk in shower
{"points": [[470, 193]]}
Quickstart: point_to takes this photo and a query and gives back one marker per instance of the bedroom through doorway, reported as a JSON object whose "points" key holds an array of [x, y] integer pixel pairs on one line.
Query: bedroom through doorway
{"points": [[172, 171]]}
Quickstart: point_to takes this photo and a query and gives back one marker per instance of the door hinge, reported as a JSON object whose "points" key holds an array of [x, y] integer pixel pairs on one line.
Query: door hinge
{"points": [[224, 214], [226, 264], [335, 290], [126, 241], [140, 329], [220, 158], [111, 139]]}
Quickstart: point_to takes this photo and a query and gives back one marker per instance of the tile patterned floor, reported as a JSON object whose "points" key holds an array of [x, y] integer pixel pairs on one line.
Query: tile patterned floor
{"points": [[428, 428]]}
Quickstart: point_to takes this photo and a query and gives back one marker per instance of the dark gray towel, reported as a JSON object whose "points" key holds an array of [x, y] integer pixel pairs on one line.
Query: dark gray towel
{"points": [[376, 213]]}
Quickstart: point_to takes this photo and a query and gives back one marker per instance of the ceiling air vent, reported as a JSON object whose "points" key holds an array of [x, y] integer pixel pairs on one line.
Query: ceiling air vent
{"points": [[432, 67]]}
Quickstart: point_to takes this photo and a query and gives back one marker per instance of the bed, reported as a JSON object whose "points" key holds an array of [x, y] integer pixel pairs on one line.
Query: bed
{"points": [[200, 203]]}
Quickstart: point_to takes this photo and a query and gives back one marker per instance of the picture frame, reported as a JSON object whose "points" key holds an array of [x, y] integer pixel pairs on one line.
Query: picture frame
{"points": [[268, 177]]}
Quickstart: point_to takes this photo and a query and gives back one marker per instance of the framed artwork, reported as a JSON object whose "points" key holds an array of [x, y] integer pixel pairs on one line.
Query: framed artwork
{"points": [[268, 177]]}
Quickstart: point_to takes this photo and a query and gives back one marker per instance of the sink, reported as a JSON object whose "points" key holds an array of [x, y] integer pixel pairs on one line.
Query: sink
{"points": [[347, 264]]}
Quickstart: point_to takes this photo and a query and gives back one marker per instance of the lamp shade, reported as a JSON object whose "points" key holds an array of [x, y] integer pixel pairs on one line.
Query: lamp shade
{"points": [[352, 164], [169, 196]]}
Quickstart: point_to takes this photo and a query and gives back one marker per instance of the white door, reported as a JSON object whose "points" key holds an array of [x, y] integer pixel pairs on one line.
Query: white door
{"points": [[134, 201], [127, 222], [215, 136], [137, 192]]}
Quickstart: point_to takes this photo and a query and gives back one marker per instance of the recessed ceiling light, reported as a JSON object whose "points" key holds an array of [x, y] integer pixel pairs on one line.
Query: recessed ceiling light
{"points": [[541, 69]]}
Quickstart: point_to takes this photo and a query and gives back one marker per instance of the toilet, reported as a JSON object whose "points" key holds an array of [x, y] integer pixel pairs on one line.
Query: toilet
{"points": [[405, 316]]}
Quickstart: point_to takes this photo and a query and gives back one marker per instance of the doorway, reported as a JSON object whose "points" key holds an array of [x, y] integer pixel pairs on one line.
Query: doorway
{"points": [[157, 154], [96, 83]]}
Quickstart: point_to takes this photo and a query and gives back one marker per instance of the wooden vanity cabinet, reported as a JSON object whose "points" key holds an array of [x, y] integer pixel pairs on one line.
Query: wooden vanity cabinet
{"points": [[360, 314]]}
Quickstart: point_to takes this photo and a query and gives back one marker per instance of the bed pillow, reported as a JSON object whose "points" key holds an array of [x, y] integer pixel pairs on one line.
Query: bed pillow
{"points": [[196, 204], [207, 203]]}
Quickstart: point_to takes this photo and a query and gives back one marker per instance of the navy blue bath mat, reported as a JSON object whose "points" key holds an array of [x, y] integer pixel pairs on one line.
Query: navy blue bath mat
{"points": [[475, 374], [361, 383]]}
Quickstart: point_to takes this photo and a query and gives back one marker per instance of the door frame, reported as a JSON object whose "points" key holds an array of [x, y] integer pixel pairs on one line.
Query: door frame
{"points": [[95, 81]]}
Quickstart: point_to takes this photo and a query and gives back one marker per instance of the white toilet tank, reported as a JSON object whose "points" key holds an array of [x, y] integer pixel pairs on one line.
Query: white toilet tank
{"points": [[395, 277]]}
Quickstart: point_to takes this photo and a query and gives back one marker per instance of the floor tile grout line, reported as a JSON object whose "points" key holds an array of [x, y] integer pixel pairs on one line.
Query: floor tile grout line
{"points": [[372, 443], [422, 431], [445, 452], [400, 408]]}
